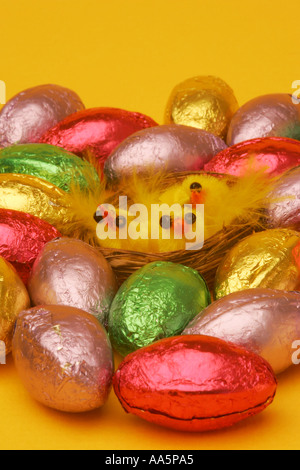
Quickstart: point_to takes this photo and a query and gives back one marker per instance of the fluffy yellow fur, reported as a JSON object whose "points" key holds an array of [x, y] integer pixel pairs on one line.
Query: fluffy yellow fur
{"points": [[227, 201]]}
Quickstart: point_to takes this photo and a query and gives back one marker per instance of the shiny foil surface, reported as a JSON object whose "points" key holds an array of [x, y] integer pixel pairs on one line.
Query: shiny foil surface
{"points": [[71, 272], [63, 357], [284, 208], [33, 196], [28, 115], [274, 155], [204, 102], [22, 237], [157, 301], [194, 383], [53, 164], [268, 259], [264, 321], [97, 131], [13, 298], [164, 148], [272, 115]]}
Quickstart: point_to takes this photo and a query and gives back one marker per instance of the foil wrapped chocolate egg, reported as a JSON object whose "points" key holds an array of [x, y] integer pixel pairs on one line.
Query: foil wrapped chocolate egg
{"points": [[273, 155], [34, 196], [204, 102], [29, 114], [272, 115], [96, 131], [14, 298], [71, 272], [157, 301], [283, 209], [264, 321], [63, 357], [22, 237], [268, 259], [194, 383], [53, 164], [169, 148]]}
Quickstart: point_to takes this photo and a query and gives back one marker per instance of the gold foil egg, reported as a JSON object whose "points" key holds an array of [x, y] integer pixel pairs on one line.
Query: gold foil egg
{"points": [[204, 102], [268, 259], [14, 298], [34, 196], [63, 357]]}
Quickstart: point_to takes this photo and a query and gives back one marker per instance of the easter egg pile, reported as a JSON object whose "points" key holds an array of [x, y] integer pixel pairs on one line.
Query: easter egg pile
{"points": [[194, 357]]}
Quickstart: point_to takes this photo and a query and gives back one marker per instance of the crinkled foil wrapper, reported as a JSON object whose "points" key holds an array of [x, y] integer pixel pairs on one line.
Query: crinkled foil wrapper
{"points": [[264, 321], [63, 357], [29, 114], [156, 302], [206, 103], [194, 383], [50, 163], [71, 272], [22, 237], [97, 131], [274, 155], [169, 148], [284, 208], [34, 196], [273, 115], [14, 298], [268, 259]]}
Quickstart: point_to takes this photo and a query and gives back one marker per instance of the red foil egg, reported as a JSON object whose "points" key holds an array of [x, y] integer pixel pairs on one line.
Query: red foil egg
{"points": [[194, 383], [22, 237], [274, 155], [97, 131]]}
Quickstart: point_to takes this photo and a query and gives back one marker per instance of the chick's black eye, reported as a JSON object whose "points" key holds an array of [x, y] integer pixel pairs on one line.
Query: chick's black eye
{"points": [[196, 186], [98, 218], [121, 221], [190, 218], [166, 222]]}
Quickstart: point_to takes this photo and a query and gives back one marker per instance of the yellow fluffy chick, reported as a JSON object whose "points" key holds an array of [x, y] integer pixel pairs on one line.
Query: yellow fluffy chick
{"points": [[154, 219], [225, 200]]}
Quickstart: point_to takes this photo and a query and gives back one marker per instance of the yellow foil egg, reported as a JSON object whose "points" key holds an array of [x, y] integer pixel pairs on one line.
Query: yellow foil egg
{"points": [[14, 298], [268, 259], [34, 196], [204, 102]]}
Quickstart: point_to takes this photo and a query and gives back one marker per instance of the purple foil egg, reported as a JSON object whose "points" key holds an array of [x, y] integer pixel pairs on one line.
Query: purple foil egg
{"points": [[29, 114], [284, 209], [170, 148], [264, 321], [265, 116]]}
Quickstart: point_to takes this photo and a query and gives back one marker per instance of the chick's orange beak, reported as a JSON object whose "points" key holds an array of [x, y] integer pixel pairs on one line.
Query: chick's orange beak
{"points": [[197, 197]]}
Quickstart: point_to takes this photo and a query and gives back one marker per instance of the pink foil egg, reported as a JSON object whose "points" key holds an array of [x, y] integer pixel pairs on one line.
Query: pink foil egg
{"points": [[168, 148], [29, 114], [274, 115]]}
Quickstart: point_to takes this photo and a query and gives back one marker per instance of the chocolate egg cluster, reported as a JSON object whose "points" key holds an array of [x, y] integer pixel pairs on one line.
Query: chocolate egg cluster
{"points": [[199, 352]]}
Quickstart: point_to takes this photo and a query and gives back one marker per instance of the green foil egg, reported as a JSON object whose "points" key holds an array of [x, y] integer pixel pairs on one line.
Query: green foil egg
{"points": [[50, 163], [158, 301]]}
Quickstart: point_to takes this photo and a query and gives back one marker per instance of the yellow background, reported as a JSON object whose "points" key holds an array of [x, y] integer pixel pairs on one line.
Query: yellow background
{"points": [[129, 54]]}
